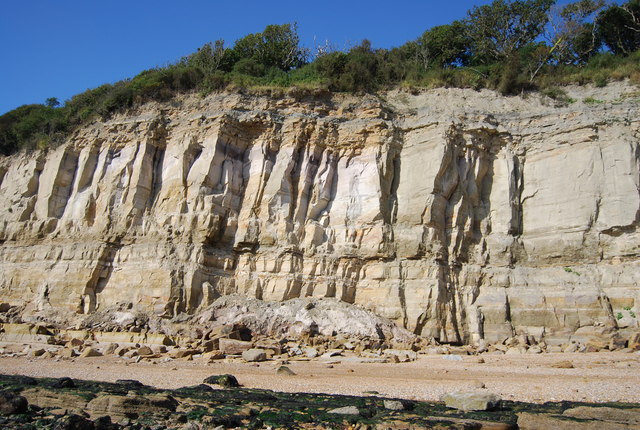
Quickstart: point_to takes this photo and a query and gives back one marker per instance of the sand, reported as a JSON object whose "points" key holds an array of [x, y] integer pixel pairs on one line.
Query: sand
{"points": [[596, 377]]}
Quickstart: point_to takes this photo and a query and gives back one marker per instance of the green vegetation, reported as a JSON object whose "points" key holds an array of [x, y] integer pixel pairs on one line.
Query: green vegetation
{"points": [[201, 406], [509, 45]]}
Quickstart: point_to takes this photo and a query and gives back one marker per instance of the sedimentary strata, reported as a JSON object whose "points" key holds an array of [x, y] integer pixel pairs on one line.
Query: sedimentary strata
{"points": [[459, 214]]}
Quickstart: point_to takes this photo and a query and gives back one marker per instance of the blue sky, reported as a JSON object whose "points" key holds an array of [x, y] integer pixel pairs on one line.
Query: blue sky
{"points": [[58, 48]]}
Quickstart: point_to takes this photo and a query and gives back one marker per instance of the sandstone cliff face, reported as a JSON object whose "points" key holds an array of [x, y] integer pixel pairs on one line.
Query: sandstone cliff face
{"points": [[461, 215]]}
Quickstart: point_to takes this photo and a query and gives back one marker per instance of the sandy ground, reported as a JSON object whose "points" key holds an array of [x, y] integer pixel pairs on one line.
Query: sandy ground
{"points": [[597, 377]]}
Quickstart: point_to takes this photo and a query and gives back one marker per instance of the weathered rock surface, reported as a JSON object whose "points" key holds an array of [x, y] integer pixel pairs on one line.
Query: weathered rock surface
{"points": [[458, 214], [131, 406], [529, 421], [11, 403], [476, 400], [226, 381], [254, 354]]}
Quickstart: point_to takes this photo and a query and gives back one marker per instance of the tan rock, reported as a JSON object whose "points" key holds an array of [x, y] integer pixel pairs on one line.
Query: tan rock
{"points": [[348, 197], [530, 421], [234, 347], [90, 352], [565, 364], [213, 355], [131, 406], [182, 353], [54, 399], [145, 350], [616, 415], [68, 353], [111, 349], [38, 352]]}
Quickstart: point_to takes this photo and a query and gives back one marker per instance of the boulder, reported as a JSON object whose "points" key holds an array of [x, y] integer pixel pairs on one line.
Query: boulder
{"points": [[11, 403], [254, 354], [38, 352], [226, 381], [131, 406], [64, 382], [90, 352], [68, 353], [311, 352], [111, 348], [393, 405], [74, 422], [622, 416], [182, 353], [234, 347], [145, 350], [55, 398], [284, 370], [345, 410], [472, 400]]}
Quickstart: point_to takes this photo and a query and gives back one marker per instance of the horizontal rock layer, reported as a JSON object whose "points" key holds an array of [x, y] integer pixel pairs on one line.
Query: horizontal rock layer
{"points": [[461, 215]]}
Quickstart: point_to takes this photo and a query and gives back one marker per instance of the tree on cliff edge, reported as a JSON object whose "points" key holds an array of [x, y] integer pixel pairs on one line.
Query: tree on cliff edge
{"points": [[499, 30], [277, 46]]}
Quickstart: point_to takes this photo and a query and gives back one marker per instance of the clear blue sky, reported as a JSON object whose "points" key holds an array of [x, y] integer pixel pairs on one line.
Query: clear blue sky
{"points": [[58, 48]]}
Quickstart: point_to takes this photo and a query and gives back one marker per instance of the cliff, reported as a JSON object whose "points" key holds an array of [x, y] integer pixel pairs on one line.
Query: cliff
{"points": [[459, 214]]}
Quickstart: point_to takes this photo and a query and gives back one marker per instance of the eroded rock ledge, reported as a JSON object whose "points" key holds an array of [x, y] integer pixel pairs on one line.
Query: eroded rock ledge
{"points": [[458, 214]]}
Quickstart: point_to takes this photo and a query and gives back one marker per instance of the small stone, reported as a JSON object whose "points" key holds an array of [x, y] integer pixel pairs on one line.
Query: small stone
{"points": [[534, 350], [64, 383], [478, 384], [130, 382], [452, 357], [161, 349], [121, 351], [563, 365], [75, 342], [471, 401], [284, 370], [393, 359]]}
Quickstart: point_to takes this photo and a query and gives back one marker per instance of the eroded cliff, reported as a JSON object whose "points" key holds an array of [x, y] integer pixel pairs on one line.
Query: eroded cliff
{"points": [[459, 214]]}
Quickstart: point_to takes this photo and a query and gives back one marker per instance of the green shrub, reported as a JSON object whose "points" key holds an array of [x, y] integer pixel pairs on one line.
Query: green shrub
{"points": [[453, 55]]}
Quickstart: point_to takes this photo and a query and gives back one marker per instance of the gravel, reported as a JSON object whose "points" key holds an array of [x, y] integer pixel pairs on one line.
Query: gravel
{"points": [[596, 377]]}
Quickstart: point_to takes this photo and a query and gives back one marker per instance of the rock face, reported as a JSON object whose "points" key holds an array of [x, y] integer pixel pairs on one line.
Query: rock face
{"points": [[461, 215]]}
